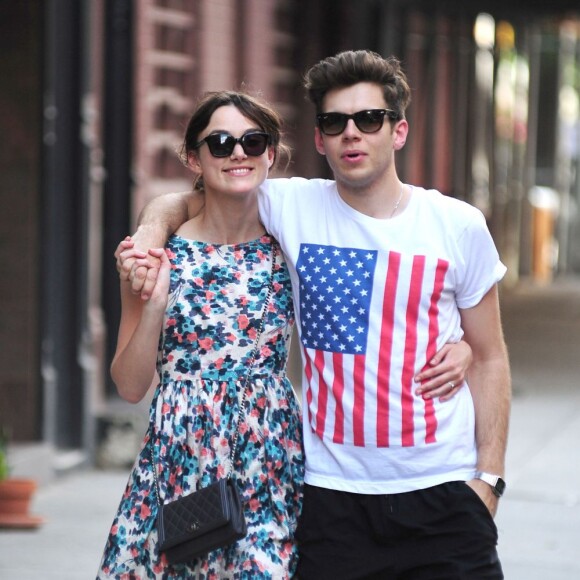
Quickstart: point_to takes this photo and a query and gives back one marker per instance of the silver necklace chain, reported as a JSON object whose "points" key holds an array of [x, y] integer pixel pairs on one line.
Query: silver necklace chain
{"points": [[398, 201]]}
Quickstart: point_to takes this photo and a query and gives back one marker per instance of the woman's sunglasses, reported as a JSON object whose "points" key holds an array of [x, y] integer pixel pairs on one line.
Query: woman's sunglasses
{"points": [[369, 121], [223, 144]]}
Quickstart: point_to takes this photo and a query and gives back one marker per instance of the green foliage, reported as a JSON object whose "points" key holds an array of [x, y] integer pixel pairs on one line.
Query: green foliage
{"points": [[4, 469]]}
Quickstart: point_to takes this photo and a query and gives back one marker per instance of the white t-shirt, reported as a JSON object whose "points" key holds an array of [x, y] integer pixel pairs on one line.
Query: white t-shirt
{"points": [[375, 300]]}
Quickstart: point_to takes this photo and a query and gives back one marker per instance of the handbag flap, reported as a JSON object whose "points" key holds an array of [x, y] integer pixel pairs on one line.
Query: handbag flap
{"points": [[193, 515]]}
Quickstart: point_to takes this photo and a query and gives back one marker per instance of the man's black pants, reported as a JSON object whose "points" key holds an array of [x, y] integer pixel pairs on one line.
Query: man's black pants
{"points": [[441, 533]]}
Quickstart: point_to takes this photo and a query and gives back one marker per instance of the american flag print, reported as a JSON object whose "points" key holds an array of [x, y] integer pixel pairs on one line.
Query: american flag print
{"points": [[337, 289]]}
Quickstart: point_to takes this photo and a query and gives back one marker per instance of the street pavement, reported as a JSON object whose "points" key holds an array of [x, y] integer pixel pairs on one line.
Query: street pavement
{"points": [[539, 516]]}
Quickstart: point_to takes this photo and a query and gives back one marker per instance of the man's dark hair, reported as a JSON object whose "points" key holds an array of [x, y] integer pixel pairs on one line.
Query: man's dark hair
{"points": [[358, 66]]}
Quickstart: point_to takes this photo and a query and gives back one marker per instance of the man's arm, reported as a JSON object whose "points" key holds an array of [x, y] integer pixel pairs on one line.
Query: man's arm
{"points": [[165, 213], [490, 385], [157, 221]]}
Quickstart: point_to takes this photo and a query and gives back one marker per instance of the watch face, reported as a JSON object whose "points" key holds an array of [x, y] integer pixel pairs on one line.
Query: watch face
{"points": [[499, 487]]}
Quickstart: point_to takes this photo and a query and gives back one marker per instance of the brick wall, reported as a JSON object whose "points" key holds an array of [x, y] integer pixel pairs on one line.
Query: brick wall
{"points": [[19, 197]]}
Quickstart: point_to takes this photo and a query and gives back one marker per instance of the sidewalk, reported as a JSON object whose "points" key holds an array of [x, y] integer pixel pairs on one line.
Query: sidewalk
{"points": [[538, 519], [78, 510]]}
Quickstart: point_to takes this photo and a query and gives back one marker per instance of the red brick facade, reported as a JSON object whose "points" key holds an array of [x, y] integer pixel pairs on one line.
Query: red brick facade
{"points": [[187, 47]]}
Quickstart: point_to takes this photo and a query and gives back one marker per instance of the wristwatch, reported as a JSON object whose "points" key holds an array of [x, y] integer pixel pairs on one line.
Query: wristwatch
{"points": [[495, 481]]}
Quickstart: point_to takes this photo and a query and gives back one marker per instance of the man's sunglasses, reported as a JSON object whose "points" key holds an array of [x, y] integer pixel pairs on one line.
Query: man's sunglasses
{"points": [[223, 144], [369, 121]]}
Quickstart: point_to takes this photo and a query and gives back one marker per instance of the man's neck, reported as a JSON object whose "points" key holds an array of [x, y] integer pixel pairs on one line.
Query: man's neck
{"points": [[380, 201]]}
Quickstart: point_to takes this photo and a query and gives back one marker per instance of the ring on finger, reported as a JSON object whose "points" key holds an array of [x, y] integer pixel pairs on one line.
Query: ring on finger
{"points": [[451, 384]]}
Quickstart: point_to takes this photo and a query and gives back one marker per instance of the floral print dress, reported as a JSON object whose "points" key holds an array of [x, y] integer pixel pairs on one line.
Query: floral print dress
{"points": [[216, 300]]}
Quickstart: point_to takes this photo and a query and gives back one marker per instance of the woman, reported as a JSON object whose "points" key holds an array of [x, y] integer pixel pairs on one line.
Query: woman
{"points": [[208, 302]]}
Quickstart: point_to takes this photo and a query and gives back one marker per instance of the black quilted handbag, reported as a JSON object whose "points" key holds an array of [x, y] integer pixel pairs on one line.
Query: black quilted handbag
{"points": [[211, 517], [200, 522]]}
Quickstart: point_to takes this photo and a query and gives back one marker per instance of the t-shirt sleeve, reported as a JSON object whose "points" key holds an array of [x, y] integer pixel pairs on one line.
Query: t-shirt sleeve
{"points": [[270, 205], [481, 267], [281, 200]]}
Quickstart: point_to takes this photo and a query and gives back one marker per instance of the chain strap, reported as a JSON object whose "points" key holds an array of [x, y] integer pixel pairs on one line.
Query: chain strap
{"points": [[244, 402]]}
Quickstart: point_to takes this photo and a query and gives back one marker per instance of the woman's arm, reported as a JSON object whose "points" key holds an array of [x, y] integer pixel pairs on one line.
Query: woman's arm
{"points": [[133, 366]]}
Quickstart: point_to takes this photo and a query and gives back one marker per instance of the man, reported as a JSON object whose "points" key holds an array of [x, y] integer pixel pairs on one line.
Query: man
{"points": [[397, 486]]}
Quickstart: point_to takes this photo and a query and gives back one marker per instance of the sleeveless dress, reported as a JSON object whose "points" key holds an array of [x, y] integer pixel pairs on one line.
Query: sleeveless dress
{"points": [[216, 300]]}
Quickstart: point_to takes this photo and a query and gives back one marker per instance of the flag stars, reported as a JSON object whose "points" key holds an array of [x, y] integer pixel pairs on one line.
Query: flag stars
{"points": [[335, 294]]}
